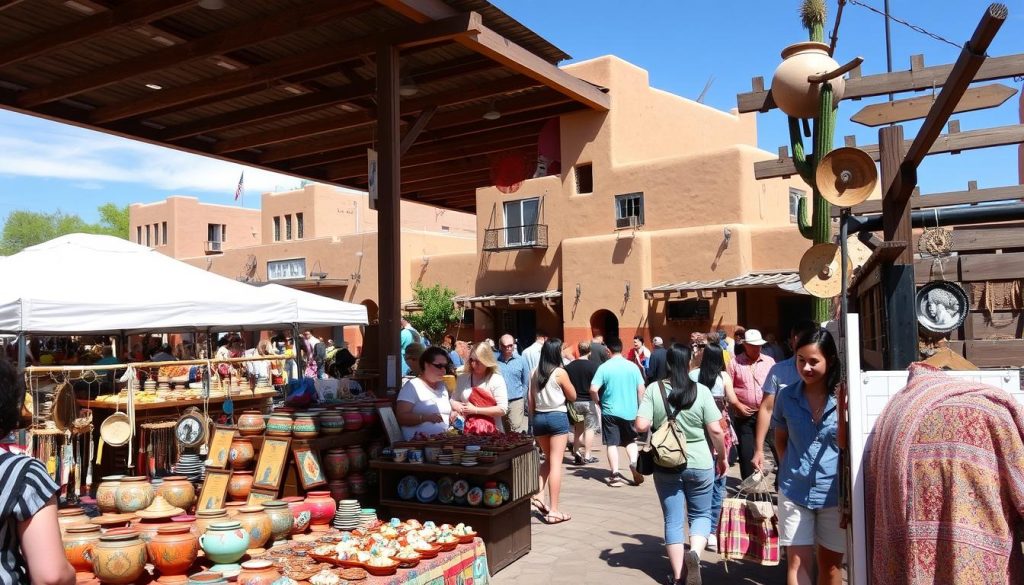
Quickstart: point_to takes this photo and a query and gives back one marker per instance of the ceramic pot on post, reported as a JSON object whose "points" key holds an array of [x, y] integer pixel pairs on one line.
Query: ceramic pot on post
{"points": [[119, 558], [204, 518], [305, 426], [106, 493], [134, 494], [77, 540], [258, 572], [321, 508], [224, 543], [240, 485], [251, 423], [791, 91], [279, 424], [332, 423], [173, 550], [241, 453], [178, 491], [336, 464], [357, 457], [257, 523], [300, 513]]}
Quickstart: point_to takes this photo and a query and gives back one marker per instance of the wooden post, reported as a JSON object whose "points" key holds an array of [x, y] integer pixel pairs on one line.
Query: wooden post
{"points": [[389, 182]]}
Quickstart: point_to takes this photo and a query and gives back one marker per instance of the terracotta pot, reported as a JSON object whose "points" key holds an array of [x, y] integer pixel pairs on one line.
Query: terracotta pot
{"points": [[148, 527], [225, 542], [336, 464], [258, 572], [106, 496], [321, 508], [119, 558], [241, 453], [257, 523], [339, 489], [791, 91], [279, 424], [158, 514], [71, 517], [206, 517], [178, 491], [357, 457], [232, 508], [186, 520], [251, 423], [77, 540], [281, 519], [111, 521], [240, 485], [332, 423], [207, 578], [134, 494], [300, 513], [357, 484], [369, 415], [173, 550], [305, 426], [353, 420]]}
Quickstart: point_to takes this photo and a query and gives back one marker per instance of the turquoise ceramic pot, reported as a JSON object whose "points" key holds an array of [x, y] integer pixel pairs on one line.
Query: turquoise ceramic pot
{"points": [[225, 542]]}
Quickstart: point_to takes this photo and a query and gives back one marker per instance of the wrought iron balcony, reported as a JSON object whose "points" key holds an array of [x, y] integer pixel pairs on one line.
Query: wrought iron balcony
{"points": [[521, 237]]}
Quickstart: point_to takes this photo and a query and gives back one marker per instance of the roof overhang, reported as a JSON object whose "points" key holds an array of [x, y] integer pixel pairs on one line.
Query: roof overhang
{"points": [[788, 280], [548, 298]]}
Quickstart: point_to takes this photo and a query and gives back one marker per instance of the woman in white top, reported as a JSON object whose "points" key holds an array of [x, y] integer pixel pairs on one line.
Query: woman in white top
{"points": [[423, 404], [481, 372], [549, 389]]}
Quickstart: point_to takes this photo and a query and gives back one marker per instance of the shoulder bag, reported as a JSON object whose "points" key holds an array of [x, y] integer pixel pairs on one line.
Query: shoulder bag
{"points": [[665, 447]]}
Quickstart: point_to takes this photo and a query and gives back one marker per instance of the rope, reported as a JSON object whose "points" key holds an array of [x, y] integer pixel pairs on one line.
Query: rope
{"points": [[912, 27]]}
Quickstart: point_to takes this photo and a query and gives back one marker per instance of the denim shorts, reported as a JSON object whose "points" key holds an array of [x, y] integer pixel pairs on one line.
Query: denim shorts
{"points": [[550, 423]]}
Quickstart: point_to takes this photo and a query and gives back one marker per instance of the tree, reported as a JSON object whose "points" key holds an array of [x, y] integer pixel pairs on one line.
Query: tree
{"points": [[28, 228], [437, 311]]}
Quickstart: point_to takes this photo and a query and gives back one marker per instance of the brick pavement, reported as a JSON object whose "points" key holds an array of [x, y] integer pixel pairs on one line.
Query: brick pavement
{"points": [[615, 535]]}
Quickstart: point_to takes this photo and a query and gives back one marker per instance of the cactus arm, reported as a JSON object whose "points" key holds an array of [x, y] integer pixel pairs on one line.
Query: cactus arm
{"points": [[803, 164], [803, 219]]}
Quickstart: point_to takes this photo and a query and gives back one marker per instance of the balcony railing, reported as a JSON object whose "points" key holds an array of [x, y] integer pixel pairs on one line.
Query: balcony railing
{"points": [[521, 237], [214, 247]]}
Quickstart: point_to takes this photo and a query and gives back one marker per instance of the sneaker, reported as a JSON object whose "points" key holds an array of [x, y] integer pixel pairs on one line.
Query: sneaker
{"points": [[692, 562], [712, 543], [591, 460]]}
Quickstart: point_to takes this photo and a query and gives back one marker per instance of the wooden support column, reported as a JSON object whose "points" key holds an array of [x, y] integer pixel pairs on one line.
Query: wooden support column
{"points": [[389, 183]]}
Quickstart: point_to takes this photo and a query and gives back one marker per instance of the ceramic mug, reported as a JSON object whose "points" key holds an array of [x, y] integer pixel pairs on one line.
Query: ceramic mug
{"points": [[415, 456], [401, 454]]}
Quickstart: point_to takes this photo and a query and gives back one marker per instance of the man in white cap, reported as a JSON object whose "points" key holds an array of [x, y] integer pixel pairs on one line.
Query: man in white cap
{"points": [[749, 371], [657, 365]]}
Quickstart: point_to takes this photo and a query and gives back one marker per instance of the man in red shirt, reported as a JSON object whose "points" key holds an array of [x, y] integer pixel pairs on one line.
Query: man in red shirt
{"points": [[638, 354], [749, 371]]}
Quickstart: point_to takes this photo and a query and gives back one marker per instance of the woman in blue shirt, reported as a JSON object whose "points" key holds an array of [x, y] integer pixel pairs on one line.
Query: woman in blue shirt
{"points": [[806, 430]]}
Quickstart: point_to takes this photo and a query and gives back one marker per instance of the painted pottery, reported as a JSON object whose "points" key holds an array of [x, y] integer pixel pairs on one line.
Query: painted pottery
{"points": [[357, 484], [791, 91], [204, 518], [251, 423], [369, 415], [357, 457], [110, 521], [279, 424], [336, 464], [332, 423], [258, 572], [71, 517], [241, 453], [353, 420], [305, 426], [119, 558], [281, 519], [240, 485], [257, 523], [173, 549], [492, 495], [232, 508], [106, 496], [77, 540], [225, 542], [339, 489], [300, 513], [321, 508], [178, 491], [207, 578], [134, 494], [186, 520], [157, 515]]}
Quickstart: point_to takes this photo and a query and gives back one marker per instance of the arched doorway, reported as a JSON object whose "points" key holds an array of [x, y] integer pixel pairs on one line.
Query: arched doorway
{"points": [[604, 322], [372, 312]]}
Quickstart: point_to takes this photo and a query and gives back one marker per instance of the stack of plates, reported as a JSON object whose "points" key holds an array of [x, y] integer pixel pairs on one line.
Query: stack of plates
{"points": [[191, 466], [469, 458], [445, 459], [348, 516], [367, 516]]}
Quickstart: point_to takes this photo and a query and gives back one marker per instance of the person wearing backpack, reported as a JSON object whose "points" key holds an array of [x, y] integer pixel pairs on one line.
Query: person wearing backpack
{"points": [[691, 412]]}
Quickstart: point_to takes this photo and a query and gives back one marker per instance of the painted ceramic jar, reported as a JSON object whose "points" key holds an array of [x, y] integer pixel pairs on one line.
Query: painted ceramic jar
{"points": [[106, 497], [111, 521], [148, 527], [300, 513], [281, 519], [225, 542], [241, 453], [353, 420], [336, 464], [369, 415], [240, 485], [204, 518], [357, 484], [77, 540], [178, 491], [279, 424], [339, 489], [70, 517], [305, 426], [232, 508], [332, 423], [134, 494], [258, 572], [257, 523], [357, 457], [173, 549], [186, 520], [492, 495], [207, 578], [251, 423], [321, 508], [119, 558]]}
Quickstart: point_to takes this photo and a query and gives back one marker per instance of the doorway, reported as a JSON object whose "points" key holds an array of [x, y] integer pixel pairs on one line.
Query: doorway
{"points": [[792, 309], [604, 322], [521, 324]]}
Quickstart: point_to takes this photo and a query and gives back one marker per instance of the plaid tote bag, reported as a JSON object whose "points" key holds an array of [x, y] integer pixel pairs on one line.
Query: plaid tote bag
{"points": [[742, 536]]}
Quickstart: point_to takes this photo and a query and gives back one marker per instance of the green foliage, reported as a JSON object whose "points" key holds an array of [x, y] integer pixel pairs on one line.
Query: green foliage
{"points": [[437, 312], [28, 228], [812, 15]]}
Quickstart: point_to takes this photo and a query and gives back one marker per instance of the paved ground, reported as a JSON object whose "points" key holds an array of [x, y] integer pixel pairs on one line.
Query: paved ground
{"points": [[615, 535]]}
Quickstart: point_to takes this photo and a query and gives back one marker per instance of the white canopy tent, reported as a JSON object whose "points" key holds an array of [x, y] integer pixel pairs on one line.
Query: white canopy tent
{"points": [[83, 283]]}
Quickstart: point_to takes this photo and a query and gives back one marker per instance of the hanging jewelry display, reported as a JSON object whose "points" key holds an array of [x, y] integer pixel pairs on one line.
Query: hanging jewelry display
{"points": [[942, 305]]}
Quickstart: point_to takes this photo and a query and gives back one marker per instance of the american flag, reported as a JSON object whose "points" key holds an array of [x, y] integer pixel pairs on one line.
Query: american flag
{"points": [[240, 190]]}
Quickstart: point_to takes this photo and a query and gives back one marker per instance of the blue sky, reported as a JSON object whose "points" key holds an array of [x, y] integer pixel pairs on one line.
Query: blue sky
{"points": [[47, 166]]}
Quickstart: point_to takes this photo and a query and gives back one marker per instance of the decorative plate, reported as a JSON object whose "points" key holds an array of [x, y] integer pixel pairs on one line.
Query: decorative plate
{"points": [[475, 496], [427, 492], [505, 494], [941, 306], [460, 488], [407, 487], [191, 429], [445, 487]]}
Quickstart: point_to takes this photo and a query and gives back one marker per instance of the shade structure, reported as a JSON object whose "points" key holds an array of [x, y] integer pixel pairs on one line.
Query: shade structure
{"points": [[82, 283], [315, 310]]}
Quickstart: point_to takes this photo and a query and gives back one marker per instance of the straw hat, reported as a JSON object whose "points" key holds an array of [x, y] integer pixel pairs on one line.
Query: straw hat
{"points": [[116, 429], [159, 509]]}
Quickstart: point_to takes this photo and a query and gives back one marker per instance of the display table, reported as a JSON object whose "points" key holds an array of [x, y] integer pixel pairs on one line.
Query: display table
{"points": [[150, 408], [505, 529], [466, 565]]}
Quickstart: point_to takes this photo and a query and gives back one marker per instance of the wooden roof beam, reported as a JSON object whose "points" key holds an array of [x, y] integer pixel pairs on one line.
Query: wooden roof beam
{"points": [[415, 180], [931, 200], [5, 4], [470, 177]]}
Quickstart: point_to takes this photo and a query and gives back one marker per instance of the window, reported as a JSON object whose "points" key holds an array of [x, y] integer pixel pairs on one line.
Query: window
{"points": [[584, 179], [689, 310], [298, 226], [287, 227], [286, 269], [138, 235], [156, 234], [277, 229], [521, 221], [214, 237], [446, 229], [629, 210], [795, 195], [223, 232], [163, 227], [148, 227]]}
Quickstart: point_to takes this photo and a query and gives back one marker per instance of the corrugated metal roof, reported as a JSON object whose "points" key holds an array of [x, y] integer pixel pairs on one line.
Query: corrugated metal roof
{"points": [[750, 280]]}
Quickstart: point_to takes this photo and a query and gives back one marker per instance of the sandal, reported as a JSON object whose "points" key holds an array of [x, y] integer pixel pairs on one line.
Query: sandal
{"points": [[541, 507], [617, 481], [556, 518]]}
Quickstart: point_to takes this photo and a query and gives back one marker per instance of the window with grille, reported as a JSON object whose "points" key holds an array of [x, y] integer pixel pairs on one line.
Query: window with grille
{"points": [[299, 228], [277, 229], [287, 227], [629, 210]]}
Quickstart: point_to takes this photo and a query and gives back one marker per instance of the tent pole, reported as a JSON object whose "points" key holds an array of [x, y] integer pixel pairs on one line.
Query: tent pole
{"points": [[22, 351], [300, 364]]}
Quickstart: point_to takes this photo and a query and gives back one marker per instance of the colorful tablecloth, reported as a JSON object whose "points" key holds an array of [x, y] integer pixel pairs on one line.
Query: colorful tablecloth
{"points": [[466, 565]]}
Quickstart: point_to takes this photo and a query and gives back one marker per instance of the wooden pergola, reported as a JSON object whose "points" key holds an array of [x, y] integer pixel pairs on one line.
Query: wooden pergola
{"points": [[301, 87]]}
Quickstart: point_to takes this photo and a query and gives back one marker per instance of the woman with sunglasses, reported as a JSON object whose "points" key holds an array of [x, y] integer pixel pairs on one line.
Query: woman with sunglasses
{"points": [[550, 388], [480, 390], [423, 404]]}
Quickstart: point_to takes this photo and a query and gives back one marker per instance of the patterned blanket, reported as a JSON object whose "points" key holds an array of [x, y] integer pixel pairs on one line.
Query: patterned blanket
{"points": [[945, 484]]}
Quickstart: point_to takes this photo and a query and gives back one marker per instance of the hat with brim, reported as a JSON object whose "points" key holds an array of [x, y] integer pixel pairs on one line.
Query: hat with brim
{"points": [[753, 337]]}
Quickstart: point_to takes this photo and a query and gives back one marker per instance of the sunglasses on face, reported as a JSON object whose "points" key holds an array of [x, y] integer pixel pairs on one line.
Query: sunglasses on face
{"points": [[441, 366]]}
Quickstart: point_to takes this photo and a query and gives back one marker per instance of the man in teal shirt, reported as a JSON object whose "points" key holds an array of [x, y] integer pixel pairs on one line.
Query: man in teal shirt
{"points": [[619, 387], [407, 336]]}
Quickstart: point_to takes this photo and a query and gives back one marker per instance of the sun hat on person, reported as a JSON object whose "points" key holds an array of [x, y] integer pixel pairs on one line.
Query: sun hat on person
{"points": [[753, 337]]}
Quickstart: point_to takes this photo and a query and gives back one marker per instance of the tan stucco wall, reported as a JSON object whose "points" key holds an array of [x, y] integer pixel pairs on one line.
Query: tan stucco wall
{"points": [[187, 221]]}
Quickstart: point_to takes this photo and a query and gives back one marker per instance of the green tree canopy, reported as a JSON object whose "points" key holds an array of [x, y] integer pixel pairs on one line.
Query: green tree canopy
{"points": [[437, 310], [28, 228]]}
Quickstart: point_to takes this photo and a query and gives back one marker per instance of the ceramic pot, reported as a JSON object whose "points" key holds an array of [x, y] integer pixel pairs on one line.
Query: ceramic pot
{"points": [[791, 91], [258, 572], [240, 485], [357, 457], [148, 527], [106, 497], [336, 464], [339, 489], [134, 494], [369, 415], [71, 517], [173, 549], [241, 453], [77, 540], [119, 558], [232, 508], [256, 522], [305, 426], [300, 513], [158, 514], [186, 520], [353, 420], [321, 508], [225, 542], [492, 495], [357, 484], [279, 424], [332, 423], [178, 491], [281, 520], [207, 578], [111, 521], [204, 518], [251, 423]]}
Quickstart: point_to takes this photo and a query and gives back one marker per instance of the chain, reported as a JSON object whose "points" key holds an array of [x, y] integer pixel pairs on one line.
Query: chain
{"points": [[912, 27]]}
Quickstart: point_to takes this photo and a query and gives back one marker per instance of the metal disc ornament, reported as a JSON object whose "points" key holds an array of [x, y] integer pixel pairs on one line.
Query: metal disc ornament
{"points": [[821, 270], [941, 306], [846, 176]]}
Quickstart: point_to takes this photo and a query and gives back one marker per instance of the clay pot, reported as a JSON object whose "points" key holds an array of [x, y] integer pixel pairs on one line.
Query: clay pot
{"points": [[77, 540], [339, 489], [240, 485], [241, 453], [353, 420], [106, 497], [119, 558], [281, 519], [791, 91], [111, 521], [157, 515], [257, 523], [71, 517], [207, 578], [279, 424], [332, 423], [232, 508], [204, 518], [369, 415], [186, 520], [251, 423], [357, 457], [336, 464], [178, 491], [258, 572], [305, 426], [134, 494], [300, 513], [173, 549], [357, 484], [321, 508], [225, 542]]}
